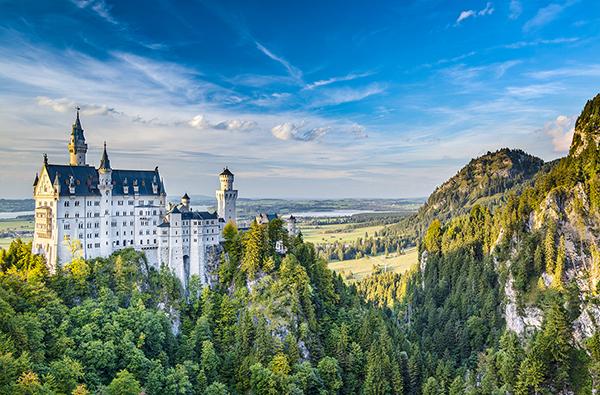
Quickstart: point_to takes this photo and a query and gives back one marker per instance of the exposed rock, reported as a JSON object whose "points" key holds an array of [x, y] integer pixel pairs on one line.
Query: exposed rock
{"points": [[522, 324]]}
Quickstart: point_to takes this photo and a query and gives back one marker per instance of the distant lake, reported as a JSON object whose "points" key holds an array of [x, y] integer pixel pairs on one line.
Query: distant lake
{"points": [[14, 214], [329, 213]]}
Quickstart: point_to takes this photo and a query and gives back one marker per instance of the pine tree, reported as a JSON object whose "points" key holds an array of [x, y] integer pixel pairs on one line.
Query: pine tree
{"points": [[254, 249]]}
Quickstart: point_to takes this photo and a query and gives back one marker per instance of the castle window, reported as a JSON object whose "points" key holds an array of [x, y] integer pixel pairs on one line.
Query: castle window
{"points": [[67, 204], [81, 225], [66, 215], [76, 215], [97, 203], [89, 202], [130, 202], [77, 203], [67, 226]]}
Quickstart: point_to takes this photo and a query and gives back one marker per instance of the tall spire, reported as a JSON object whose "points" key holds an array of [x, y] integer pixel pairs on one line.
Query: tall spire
{"points": [[104, 162], [77, 145]]}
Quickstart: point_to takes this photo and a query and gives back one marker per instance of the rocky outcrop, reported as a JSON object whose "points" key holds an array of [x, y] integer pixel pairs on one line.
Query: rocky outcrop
{"points": [[521, 322]]}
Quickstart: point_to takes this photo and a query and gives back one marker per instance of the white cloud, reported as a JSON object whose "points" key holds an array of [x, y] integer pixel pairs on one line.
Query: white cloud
{"points": [[293, 71], [515, 9], [292, 131], [348, 77], [466, 14], [201, 122], [66, 105], [561, 130]]}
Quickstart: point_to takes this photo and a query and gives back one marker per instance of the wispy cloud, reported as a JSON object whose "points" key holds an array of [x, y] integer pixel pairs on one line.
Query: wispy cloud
{"points": [[533, 43], [337, 96], [292, 71], [333, 80], [99, 7], [515, 9], [584, 70], [534, 91], [466, 14], [546, 15]]}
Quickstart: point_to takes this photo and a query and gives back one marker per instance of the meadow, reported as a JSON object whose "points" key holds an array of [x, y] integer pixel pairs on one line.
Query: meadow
{"points": [[14, 225], [357, 269], [324, 234]]}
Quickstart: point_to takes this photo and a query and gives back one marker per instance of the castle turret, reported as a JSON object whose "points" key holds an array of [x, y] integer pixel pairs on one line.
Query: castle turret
{"points": [[105, 186], [226, 197], [77, 145], [292, 227], [185, 202]]}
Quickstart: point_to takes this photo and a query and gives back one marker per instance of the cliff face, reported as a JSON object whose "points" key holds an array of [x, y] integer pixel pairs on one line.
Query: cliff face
{"points": [[570, 201]]}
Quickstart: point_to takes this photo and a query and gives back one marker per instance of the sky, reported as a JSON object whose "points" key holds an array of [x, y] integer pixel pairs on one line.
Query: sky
{"points": [[300, 99]]}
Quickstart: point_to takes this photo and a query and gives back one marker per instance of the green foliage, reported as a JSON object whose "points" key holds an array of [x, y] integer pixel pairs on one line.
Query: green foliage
{"points": [[124, 384]]}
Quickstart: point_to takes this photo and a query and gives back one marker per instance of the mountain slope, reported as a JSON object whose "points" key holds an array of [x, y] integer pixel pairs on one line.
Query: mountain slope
{"points": [[483, 181]]}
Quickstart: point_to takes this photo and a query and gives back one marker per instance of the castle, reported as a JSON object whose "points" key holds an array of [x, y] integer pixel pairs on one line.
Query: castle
{"points": [[96, 211]]}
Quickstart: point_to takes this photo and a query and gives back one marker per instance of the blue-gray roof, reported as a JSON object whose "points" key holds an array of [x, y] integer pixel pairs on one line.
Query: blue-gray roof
{"points": [[85, 180], [199, 215]]}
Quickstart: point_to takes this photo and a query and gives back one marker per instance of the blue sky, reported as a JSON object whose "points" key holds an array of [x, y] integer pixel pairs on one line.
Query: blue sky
{"points": [[299, 99]]}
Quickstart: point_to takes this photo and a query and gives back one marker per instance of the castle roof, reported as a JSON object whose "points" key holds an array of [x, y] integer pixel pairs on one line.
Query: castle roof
{"points": [[104, 162], [85, 180], [199, 215], [226, 172], [185, 196]]}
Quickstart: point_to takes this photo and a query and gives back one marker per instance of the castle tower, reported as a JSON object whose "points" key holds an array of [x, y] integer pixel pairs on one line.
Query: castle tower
{"points": [[292, 227], [226, 197], [105, 186], [77, 145], [185, 202]]}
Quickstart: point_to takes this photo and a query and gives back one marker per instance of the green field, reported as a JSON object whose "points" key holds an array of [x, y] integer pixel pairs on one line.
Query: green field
{"points": [[324, 234], [357, 269], [13, 224]]}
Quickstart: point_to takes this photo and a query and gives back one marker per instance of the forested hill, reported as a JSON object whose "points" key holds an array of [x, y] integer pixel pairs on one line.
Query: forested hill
{"points": [[484, 181], [520, 284]]}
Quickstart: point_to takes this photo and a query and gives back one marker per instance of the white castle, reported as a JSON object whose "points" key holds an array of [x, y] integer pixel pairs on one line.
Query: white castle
{"points": [[101, 210]]}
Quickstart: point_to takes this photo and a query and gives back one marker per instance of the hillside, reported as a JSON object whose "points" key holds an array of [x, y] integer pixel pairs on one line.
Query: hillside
{"points": [[484, 180]]}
